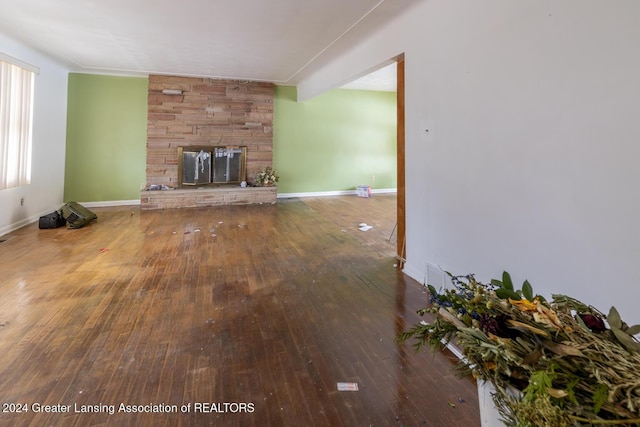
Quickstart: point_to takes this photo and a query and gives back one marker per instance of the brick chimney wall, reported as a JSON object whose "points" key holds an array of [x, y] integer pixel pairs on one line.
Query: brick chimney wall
{"points": [[208, 113]]}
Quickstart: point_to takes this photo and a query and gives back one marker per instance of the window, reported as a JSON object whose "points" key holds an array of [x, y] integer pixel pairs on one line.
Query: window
{"points": [[16, 111]]}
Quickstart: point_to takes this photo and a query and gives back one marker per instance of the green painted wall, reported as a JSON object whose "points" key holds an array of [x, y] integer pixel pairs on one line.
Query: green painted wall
{"points": [[106, 138], [335, 141], [330, 143]]}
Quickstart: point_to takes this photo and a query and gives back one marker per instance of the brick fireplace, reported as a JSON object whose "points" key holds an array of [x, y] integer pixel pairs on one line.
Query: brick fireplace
{"points": [[203, 112]]}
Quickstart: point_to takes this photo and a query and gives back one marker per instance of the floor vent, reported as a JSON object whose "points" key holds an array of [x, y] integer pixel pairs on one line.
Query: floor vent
{"points": [[435, 276]]}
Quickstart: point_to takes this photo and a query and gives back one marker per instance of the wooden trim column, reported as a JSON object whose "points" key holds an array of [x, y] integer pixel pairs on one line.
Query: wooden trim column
{"points": [[401, 248]]}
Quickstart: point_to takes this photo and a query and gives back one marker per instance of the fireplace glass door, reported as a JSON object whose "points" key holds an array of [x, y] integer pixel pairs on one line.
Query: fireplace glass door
{"points": [[227, 165], [196, 167], [219, 165]]}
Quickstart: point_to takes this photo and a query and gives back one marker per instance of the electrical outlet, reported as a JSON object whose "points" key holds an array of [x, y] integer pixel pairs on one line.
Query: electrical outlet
{"points": [[22, 201], [373, 178]]}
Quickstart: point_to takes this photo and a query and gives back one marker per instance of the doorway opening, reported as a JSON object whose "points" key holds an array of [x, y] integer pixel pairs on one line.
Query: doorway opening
{"points": [[390, 77]]}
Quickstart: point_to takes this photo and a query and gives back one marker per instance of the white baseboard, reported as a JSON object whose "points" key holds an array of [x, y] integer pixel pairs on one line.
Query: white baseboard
{"points": [[34, 218], [489, 414], [25, 221], [333, 193], [417, 274], [13, 227], [136, 202], [279, 196], [110, 203]]}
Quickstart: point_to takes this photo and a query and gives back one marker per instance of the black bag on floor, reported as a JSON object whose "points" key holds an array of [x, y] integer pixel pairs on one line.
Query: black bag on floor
{"points": [[52, 220], [76, 215]]}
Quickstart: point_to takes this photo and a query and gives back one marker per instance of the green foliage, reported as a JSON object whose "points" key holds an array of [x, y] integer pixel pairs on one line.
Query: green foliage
{"points": [[599, 397], [505, 289], [553, 363], [527, 290], [622, 331], [539, 384]]}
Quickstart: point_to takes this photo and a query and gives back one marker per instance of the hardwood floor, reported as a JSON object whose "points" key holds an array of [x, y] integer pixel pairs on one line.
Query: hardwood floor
{"points": [[250, 315]]}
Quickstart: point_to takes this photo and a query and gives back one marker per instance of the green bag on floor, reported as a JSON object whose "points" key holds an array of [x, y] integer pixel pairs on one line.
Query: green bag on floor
{"points": [[76, 215]]}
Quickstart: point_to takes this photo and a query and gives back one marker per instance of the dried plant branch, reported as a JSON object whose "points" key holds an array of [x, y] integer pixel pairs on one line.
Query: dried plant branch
{"points": [[551, 362]]}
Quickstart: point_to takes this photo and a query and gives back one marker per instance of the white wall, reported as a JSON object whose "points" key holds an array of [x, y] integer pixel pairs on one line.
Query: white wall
{"points": [[531, 160], [44, 194]]}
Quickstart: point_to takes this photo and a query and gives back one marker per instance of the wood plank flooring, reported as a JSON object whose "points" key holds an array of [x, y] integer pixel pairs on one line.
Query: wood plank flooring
{"points": [[239, 315]]}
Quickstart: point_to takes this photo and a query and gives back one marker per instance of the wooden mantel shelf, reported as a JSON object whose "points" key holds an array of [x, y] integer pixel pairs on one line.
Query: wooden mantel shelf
{"points": [[206, 196]]}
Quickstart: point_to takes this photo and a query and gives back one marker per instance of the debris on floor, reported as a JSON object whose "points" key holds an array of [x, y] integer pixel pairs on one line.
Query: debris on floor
{"points": [[158, 187], [363, 191], [347, 386], [364, 227]]}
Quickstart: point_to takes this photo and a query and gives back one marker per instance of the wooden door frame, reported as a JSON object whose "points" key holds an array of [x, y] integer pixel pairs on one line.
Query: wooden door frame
{"points": [[400, 167]]}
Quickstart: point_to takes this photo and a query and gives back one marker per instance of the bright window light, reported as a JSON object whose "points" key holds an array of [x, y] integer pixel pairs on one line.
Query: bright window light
{"points": [[16, 113]]}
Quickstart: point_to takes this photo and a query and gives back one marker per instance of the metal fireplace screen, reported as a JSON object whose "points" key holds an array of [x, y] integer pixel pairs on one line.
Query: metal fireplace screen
{"points": [[211, 165]]}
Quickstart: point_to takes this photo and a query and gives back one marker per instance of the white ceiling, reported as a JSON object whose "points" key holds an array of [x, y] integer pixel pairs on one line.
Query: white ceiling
{"points": [[279, 41]]}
